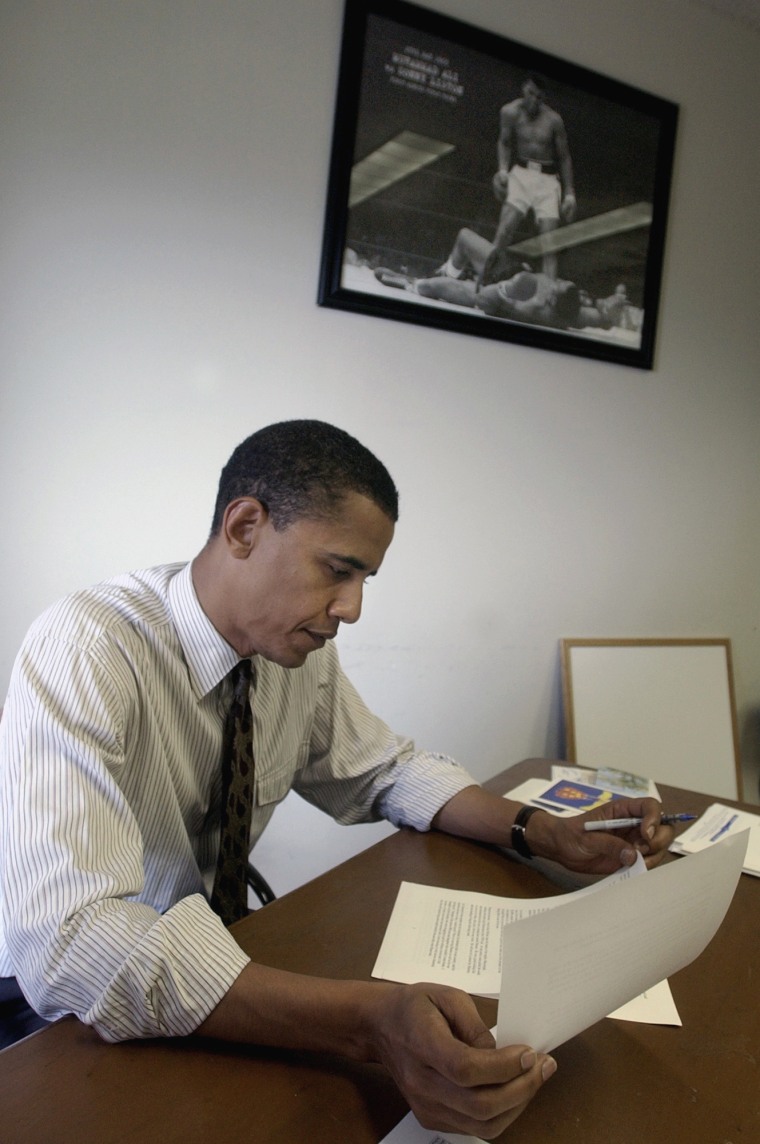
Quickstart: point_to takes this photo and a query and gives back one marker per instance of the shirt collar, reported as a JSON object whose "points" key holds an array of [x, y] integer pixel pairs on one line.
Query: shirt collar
{"points": [[209, 656]]}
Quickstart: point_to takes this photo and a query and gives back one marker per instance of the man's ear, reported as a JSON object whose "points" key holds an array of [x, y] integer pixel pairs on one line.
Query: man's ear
{"points": [[242, 523]]}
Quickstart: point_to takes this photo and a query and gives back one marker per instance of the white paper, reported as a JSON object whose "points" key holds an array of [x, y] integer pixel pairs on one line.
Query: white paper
{"points": [[573, 774], [455, 937], [654, 1006], [566, 968], [410, 1131], [719, 822]]}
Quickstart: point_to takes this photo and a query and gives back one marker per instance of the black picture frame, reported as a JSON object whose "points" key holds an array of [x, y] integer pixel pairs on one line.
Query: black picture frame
{"points": [[423, 93]]}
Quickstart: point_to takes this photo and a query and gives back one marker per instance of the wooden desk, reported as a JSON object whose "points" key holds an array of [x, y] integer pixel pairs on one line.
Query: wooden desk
{"points": [[617, 1083]]}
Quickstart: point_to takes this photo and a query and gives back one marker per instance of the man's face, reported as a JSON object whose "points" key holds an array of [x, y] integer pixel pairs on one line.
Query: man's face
{"points": [[295, 587], [532, 97]]}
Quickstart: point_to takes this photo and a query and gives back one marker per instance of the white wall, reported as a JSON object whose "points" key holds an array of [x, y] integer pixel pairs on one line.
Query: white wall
{"points": [[162, 183]]}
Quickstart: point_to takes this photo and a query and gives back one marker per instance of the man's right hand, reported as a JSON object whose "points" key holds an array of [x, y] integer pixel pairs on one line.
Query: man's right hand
{"points": [[430, 1038], [499, 184]]}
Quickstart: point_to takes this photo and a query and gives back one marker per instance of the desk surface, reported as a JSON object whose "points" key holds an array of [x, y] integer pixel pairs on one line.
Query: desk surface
{"points": [[617, 1083]]}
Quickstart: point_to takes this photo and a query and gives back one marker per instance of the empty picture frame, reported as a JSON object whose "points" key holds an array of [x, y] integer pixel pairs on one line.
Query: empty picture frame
{"points": [[663, 708]]}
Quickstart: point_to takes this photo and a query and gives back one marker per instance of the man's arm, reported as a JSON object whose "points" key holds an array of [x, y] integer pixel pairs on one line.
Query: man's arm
{"points": [[460, 293], [565, 166], [504, 147], [494, 301], [81, 934], [479, 814], [430, 1038]]}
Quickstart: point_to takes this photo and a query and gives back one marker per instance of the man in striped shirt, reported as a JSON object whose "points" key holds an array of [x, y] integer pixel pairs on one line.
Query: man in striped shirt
{"points": [[110, 788]]}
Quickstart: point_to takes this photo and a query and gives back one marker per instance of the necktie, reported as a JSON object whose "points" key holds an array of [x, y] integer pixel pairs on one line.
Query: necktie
{"points": [[230, 894]]}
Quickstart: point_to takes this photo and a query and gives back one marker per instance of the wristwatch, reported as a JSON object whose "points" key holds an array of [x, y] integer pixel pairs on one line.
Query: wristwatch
{"points": [[519, 841]]}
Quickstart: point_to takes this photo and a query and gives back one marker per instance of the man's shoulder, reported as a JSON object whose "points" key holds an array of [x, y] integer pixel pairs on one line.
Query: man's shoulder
{"points": [[511, 110], [133, 599]]}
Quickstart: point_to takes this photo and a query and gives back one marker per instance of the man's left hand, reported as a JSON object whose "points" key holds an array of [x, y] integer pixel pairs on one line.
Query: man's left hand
{"points": [[568, 207], [566, 841]]}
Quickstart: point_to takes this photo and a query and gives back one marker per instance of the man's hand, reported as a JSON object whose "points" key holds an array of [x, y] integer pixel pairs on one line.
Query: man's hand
{"points": [[442, 1057], [568, 208], [430, 1038], [477, 813], [598, 851], [499, 184]]}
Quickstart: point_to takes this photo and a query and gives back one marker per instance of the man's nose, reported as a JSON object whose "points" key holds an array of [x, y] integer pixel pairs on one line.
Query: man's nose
{"points": [[347, 605]]}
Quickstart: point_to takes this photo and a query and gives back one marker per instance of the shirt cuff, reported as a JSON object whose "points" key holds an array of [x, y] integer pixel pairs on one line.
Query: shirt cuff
{"points": [[173, 980], [422, 786]]}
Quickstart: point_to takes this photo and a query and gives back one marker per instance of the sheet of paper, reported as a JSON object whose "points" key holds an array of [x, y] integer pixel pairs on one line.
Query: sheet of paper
{"points": [[455, 937], [410, 1131], [718, 822], [566, 968], [654, 1006]]}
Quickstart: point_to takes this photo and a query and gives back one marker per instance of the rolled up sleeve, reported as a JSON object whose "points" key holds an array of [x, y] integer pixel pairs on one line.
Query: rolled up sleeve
{"points": [[360, 771]]}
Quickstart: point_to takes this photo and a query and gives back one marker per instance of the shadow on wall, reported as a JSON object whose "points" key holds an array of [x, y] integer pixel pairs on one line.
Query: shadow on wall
{"points": [[749, 750], [555, 744]]}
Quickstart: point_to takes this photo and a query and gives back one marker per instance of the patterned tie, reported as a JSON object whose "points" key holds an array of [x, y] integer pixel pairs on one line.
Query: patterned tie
{"points": [[230, 894]]}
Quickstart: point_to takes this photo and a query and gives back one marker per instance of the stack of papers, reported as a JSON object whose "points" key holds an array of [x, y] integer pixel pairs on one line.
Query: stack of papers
{"points": [[719, 822], [572, 790], [558, 964], [566, 963], [456, 937]]}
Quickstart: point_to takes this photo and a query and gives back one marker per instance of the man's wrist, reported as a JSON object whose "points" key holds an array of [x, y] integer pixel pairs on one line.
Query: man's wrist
{"points": [[519, 838]]}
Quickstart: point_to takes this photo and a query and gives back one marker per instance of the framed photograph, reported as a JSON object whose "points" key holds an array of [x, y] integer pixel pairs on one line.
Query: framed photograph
{"points": [[484, 187]]}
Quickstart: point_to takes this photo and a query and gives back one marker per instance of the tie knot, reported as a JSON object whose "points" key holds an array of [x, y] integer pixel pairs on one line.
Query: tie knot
{"points": [[241, 676]]}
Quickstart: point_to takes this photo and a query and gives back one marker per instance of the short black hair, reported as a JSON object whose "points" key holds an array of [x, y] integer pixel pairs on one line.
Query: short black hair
{"points": [[537, 80], [303, 469]]}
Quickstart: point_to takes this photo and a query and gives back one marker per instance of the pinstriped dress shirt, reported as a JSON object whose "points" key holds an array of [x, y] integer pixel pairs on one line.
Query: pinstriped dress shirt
{"points": [[110, 788]]}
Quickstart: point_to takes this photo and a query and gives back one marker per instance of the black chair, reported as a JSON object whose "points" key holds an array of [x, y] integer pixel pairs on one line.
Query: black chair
{"points": [[260, 886]]}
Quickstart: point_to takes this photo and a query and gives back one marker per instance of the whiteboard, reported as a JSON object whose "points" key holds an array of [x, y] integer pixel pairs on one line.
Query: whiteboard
{"points": [[660, 708]]}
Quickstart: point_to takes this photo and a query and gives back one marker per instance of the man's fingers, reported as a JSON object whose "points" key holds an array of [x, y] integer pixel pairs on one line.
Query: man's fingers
{"points": [[484, 1110], [438, 1049]]}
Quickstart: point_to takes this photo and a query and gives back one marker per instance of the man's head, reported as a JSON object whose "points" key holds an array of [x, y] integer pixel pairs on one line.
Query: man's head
{"points": [[533, 94], [303, 469], [304, 516]]}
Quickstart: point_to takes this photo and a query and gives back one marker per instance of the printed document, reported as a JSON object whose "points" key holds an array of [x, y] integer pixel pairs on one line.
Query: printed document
{"points": [[717, 823], [455, 937], [559, 964], [570, 965]]}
